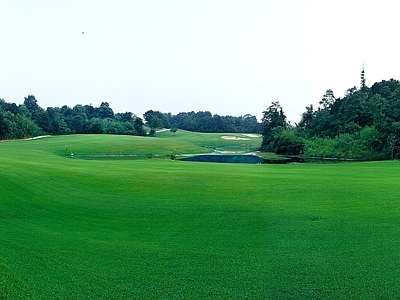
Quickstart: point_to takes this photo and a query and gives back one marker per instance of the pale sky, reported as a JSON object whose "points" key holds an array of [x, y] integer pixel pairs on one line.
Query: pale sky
{"points": [[226, 57]]}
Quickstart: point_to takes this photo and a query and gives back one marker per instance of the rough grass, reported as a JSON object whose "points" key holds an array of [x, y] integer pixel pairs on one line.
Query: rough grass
{"points": [[161, 229]]}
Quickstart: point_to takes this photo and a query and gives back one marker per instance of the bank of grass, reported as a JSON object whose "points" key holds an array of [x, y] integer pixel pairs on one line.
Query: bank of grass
{"points": [[87, 145], [162, 229], [244, 142]]}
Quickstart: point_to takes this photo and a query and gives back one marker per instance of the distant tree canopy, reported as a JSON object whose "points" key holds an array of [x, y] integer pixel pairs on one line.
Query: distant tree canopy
{"points": [[364, 124], [29, 119], [203, 121]]}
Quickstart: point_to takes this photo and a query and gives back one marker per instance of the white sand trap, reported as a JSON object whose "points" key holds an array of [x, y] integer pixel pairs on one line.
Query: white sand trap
{"points": [[37, 137], [252, 135], [229, 137], [162, 130]]}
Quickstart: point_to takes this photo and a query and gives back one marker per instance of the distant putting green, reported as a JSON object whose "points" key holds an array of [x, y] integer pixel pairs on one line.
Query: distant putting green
{"points": [[237, 142], [163, 229]]}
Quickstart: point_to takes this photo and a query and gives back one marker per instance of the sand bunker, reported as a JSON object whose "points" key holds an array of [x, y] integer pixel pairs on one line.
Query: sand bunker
{"points": [[229, 137], [162, 130], [37, 137], [252, 135]]}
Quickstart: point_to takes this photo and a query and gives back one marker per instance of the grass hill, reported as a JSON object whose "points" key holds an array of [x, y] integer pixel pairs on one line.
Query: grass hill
{"points": [[163, 229], [165, 143], [233, 141]]}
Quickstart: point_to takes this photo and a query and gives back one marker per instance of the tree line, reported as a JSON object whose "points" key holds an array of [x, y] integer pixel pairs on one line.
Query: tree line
{"points": [[202, 121], [29, 119], [364, 124]]}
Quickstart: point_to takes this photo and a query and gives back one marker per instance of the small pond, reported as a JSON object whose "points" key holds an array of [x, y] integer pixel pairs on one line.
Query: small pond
{"points": [[243, 159]]}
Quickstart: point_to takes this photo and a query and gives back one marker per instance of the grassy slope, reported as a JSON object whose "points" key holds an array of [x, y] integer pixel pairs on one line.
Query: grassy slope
{"points": [[109, 144], [169, 229], [213, 140]]}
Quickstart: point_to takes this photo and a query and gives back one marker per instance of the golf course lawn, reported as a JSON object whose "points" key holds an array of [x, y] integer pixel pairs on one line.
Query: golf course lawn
{"points": [[73, 228]]}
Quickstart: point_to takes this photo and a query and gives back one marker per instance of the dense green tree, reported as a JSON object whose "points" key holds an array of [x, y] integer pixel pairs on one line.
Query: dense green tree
{"points": [[307, 118], [66, 112], [24, 111], [96, 125], [104, 111], [154, 124], [324, 124], [160, 120], [3, 126], [3, 104], [250, 124], [115, 127], [327, 100], [42, 119], [174, 128], [26, 127], [57, 123], [373, 141], [273, 117], [203, 120], [38, 114], [285, 141], [78, 120], [125, 117], [394, 139], [90, 111], [138, 127], [31, 103], [17, 126], [355, 109], [12, 107]]}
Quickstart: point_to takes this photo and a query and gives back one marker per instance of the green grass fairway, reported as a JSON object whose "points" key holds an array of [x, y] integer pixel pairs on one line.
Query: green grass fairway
{"points": [[163, 229], [97, 146], [241, 143]]}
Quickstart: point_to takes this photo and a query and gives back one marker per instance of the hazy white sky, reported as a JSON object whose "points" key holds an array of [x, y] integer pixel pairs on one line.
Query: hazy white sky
{"points": [[227, 57]]}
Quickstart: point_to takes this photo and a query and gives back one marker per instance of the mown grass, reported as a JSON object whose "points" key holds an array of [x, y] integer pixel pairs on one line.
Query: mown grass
{"points": [[162, 229], [86, 145], [215, 140]]}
